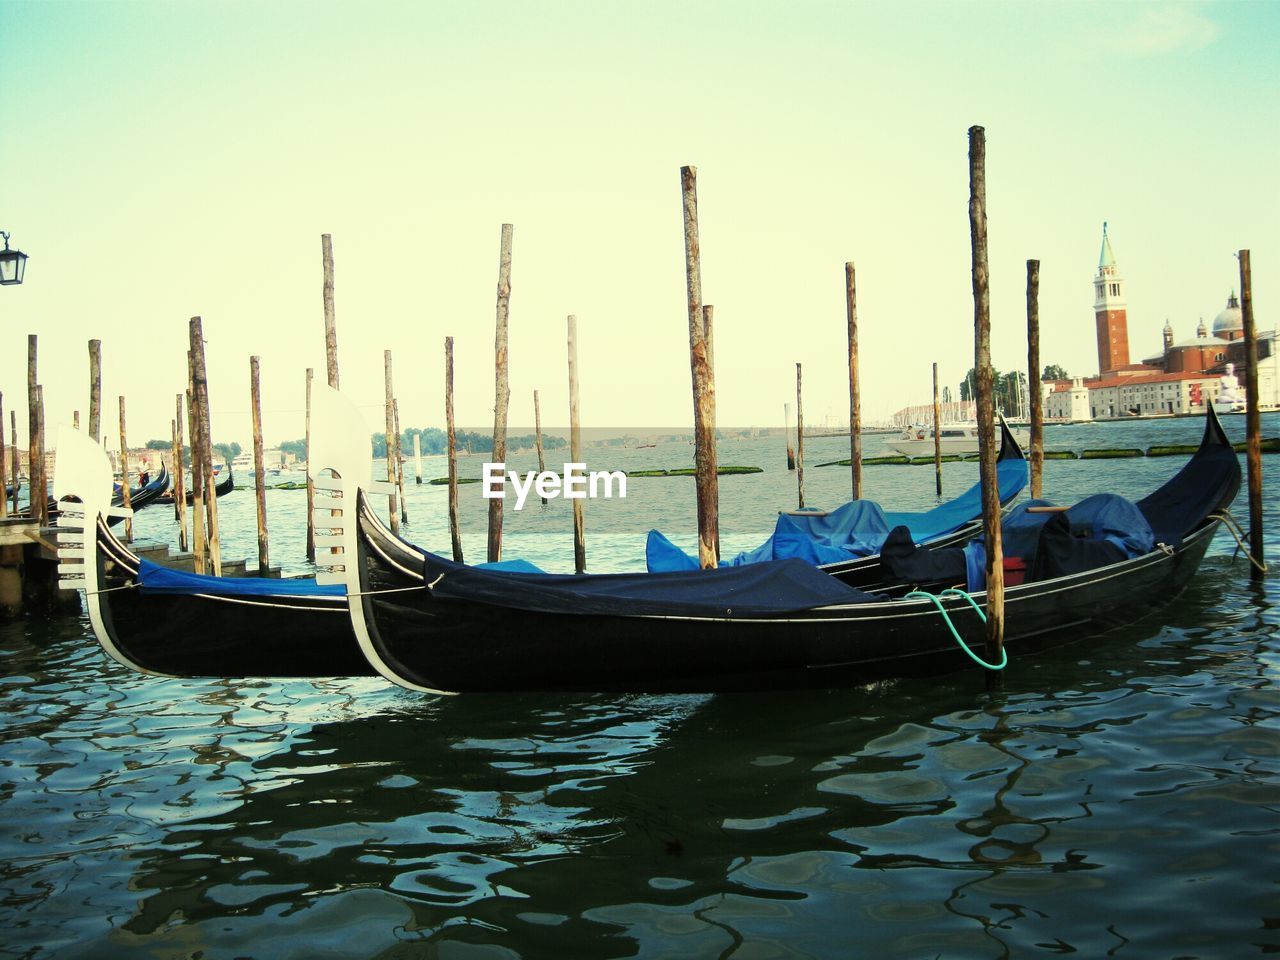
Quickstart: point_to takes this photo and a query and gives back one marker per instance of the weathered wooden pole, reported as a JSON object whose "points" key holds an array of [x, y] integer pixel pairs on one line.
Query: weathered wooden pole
{"points": [[259, 467], [43, 512], [395, 417], [855, 398], [986, 399], [13, 460], [311, 487], [502, 393], [390, 432], [575, 450], [1033, 378], [126, 494], [937, 434], [75, 419], [199, 541], [35, 463], [455, 533], [799, 439], [537, 436], [95, 389], [791, 451], [704, 386], [330, 321], [708, 336], [4, 456], [179, 485], [417, 458], [201, 382], [1253, 418]]}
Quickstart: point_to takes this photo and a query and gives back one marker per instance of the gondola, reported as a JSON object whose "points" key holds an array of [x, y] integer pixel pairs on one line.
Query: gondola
{"points": [[845, 542], [145, 494], [430, 624], [140, 497], [221, 489], [161, 621]]}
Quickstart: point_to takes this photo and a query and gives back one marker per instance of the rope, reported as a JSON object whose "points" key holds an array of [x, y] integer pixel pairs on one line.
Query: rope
{"points": [[127, 586], [957, 592], [375, 593], [1237, 531]]}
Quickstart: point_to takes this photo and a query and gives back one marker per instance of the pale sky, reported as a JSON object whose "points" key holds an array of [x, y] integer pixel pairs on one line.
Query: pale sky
{"points": [[165, 160]]}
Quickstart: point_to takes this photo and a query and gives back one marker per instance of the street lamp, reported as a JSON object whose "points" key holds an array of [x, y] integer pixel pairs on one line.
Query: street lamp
{"points": [[13, 263]]}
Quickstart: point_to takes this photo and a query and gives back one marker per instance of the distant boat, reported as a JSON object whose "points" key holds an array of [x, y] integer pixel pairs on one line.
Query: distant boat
{"points": [[956, 438]]}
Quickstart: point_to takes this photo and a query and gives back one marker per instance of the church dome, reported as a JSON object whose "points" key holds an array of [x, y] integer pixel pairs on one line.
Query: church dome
{"points": [[1230, 319]]}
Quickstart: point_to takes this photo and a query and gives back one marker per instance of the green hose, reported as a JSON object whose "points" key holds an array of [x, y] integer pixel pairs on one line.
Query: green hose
{"points": [[957, 592]]}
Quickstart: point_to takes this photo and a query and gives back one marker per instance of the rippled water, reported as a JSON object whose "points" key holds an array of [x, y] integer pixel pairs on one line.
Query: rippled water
{"points": [[1120, 797]]}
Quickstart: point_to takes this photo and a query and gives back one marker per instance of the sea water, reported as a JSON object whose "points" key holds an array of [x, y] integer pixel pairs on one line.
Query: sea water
{"points": [[1119, 797]]}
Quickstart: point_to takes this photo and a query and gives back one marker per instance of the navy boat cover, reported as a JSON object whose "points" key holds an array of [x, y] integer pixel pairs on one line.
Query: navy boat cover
{"points": [[763, 589], [153, 578], [1101, 529], [855, 529]]}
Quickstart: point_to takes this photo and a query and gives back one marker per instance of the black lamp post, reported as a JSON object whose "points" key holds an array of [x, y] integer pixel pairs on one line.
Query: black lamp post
{"points": [[13, 263]]}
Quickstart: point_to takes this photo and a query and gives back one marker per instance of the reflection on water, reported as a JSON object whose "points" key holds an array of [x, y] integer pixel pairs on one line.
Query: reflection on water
{"points": [[1117, 798]]}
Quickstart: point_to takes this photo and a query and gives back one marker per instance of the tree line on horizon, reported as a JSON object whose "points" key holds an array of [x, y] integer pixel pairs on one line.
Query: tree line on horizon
{"points": [[1007, 384]]}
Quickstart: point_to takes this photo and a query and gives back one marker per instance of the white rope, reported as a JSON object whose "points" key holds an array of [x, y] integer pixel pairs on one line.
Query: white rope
{"points": [[127, 586], [375, 593], [1237, 531]]}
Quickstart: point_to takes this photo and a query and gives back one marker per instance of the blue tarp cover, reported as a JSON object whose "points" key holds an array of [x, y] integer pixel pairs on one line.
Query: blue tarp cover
{"points": [[855, 529], [153, 578], [1101, 518], [762, 589]]}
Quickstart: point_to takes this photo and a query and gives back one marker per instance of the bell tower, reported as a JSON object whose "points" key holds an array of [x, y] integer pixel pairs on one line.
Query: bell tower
{"points": [[1109, 311]]}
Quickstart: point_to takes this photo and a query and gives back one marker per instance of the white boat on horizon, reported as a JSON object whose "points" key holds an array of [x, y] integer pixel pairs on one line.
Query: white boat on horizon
{"points": [[955, 438]]}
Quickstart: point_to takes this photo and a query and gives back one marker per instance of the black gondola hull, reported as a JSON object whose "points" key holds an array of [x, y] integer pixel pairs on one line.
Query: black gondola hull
{"points": [[460, 646], [204, 635]]}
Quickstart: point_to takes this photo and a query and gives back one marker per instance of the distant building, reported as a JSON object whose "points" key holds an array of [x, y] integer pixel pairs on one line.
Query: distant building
{"points": [[1182, 378], [1110, 312]]}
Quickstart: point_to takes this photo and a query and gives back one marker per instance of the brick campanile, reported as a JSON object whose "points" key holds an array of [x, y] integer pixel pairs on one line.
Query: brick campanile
{"points": [[1109, 311]]}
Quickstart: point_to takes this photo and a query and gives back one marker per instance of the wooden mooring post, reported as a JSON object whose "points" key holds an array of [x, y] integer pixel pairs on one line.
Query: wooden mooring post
{"points": [[389, 414], [201, 396], [417, 458], [575, 451], [986, 401], [537, 436], [199, 542], [311, 487], [330, 319], [395, 418], [179, 484], [937, 434], [42, 458], [13, 459], [35, 460], [706, 478], [1253, 419], [455, 532], [799, 438], [95, 389], [502, 392], [855, 398], [1033, 379], [259, 467], [126, 495]]}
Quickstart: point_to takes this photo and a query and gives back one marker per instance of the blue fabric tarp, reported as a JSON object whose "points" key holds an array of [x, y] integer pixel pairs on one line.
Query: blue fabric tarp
{"points": [[855, 529], [762, 589], [1104, 518], [153, 578]]}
